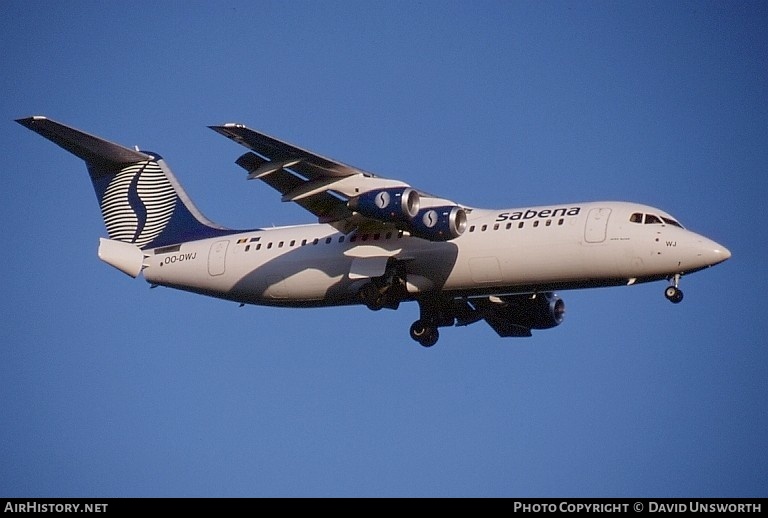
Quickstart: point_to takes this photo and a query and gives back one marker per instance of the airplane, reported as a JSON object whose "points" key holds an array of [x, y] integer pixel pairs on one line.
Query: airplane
{"points": [[377, 242]]}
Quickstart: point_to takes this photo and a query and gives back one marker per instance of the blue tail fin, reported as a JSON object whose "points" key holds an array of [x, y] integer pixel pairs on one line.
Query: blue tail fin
{"points": [[141, 201]]}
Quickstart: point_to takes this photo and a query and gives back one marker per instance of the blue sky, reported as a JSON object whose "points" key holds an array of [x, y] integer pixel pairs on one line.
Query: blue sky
{"points": [[108, 388]]}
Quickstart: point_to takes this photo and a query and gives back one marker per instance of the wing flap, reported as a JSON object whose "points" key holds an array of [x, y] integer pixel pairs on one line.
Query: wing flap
{"points": [[493, 310], [311, 188], [311, 196], [276, 150], [272, 167], [506, 329], [498, 316], [368, 267]]}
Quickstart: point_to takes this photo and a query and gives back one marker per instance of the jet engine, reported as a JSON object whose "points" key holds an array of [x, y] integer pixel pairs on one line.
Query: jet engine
{"points": [[401, 205], [539, 311], [439, 223], [392, 204]]}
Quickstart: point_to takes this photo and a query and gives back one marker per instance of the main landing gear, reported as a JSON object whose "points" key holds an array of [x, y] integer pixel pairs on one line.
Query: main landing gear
{"points": [[386, 291], [673, 293], [424, 332], [434, 313]]}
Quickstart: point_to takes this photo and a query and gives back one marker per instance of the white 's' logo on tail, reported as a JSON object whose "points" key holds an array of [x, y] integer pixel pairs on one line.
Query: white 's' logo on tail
{"points": [[138, 203]]}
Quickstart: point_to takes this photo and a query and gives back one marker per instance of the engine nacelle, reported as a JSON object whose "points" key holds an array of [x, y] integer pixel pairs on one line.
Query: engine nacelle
{"points": [[391, 204], [439, 223], [539, 311]]}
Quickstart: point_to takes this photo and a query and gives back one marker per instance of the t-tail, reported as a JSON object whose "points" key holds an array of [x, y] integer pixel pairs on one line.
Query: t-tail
{"points": [[142, 203]]}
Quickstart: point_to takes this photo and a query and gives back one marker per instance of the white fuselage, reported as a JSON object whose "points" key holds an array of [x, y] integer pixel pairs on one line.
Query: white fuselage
{"points": [[502, 251]]}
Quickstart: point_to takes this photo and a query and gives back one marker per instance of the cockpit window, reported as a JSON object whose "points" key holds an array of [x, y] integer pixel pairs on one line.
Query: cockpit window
{"points": [[650, 219], [670, 221]]}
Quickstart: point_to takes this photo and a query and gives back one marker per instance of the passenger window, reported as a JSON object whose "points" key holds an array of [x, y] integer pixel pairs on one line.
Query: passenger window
{"points": [[341, 239], [328, 240], [549, 222], [269, 246], [535, 223], [472, 228], [521, 224], [293, 242], [496, 226], [315, 241], [484, 228], [303, 242], [280, 244], [509, 225]]}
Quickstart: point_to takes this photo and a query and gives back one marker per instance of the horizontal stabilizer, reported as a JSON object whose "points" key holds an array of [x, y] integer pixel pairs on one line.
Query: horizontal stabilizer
{"points": [[91, 149], [142, 203]]}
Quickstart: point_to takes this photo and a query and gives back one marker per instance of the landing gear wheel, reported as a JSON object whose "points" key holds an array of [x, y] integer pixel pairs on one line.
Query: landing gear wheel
{"points": [[674, 294], [427, 335], [371, 297]]}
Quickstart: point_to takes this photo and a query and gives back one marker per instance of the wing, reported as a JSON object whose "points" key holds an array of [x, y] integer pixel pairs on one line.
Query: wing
{"points": [[510, 315], [321, 185]]}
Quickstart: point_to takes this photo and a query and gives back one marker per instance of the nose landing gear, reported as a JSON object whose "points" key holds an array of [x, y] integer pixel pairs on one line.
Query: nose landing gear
{"points": [[673, 293]]}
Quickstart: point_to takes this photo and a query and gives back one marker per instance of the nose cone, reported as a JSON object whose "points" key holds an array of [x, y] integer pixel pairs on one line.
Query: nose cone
{"points": [[723, 253], [712, 253]]}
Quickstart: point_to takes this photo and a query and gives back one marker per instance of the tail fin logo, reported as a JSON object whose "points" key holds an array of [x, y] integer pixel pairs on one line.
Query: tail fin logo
{"points": [[138, 203]]}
